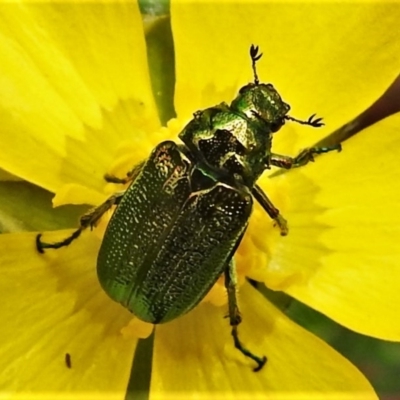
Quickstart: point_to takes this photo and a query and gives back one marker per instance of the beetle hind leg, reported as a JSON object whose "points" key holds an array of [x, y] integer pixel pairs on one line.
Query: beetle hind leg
{"points": [[41, 246], [235, 318], [87, 220], [238, 344]]}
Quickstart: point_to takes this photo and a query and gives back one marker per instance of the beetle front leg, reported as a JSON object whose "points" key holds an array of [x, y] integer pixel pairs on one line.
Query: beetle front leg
{"points": [[89, 219], [272, 211], [234, 315], [303, 158]]}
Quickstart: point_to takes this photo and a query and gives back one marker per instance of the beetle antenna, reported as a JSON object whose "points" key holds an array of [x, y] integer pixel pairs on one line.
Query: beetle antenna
{"points": [[315, 123], [254, 58]]}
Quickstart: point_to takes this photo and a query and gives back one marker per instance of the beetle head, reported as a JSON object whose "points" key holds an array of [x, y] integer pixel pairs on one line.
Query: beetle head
{"points": [[260, 101]]}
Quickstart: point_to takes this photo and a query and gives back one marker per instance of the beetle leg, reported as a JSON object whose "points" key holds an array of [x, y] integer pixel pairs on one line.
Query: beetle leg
{"points": [[303, 158], [273, 212], [88, 219], [234, 315], [130, 176]]}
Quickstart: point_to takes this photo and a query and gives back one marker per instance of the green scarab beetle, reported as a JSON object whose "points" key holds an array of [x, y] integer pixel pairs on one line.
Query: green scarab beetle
{"points": [[177, 226]]}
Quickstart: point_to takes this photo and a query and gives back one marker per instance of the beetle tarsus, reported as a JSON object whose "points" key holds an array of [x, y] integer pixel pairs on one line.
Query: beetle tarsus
{"points": [[89, 219], [259, 360], [260, 363], [307, 155], [235, 318], [282, 224], [303, 158], [40, 246]]}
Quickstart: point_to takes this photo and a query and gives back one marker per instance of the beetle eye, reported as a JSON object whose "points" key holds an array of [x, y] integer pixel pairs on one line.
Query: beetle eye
{"points": [[275, 126]]}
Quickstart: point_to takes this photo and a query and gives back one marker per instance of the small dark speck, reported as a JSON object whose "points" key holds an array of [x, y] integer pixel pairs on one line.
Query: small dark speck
{"points": [[68, 360]]}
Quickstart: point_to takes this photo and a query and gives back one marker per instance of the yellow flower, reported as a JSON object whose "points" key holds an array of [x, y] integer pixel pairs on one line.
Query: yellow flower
{"points": [[74, 85]]}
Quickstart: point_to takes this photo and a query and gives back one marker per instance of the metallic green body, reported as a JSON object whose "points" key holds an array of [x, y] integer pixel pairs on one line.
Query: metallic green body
{"points": [[236, 140], [178, 225], [180, 221]]}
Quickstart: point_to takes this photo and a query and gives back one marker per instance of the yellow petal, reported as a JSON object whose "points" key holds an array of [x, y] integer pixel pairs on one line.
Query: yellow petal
{"points": [[357, 281], [54, 307], [194, 356], [329, 58], [77, 194], [344, 233], [73, 83]]}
